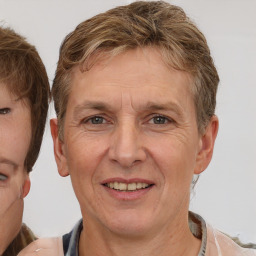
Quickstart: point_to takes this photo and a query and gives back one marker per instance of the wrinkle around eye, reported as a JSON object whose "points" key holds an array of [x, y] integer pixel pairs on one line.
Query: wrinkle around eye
{"points": [[96, 123], [164, 124], [160, 120]]}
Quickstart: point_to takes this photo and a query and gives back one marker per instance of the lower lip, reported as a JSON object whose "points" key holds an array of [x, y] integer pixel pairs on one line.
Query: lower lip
{"points": [[128, 195]]}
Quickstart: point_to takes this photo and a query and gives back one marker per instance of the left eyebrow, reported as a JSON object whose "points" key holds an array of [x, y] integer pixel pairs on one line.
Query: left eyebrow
{"points": [[152, 106]]}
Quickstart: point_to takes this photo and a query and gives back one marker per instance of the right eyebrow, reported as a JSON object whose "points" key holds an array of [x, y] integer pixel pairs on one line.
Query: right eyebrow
{"points": [[93, 105]]}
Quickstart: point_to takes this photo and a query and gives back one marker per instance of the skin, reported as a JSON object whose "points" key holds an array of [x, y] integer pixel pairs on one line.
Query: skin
{"points": [[15, 136], [44, 247], [133, 119]]}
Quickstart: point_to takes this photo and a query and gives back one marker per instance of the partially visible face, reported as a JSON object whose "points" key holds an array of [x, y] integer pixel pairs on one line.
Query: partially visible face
{"points": [[131, 143], [15, 136]]}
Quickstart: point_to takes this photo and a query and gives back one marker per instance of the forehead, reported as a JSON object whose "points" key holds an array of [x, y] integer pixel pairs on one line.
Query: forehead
{"points": [[141, 71], [7, 94]]}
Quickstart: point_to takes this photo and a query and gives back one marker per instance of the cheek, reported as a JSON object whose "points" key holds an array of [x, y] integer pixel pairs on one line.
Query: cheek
{"points": [[17, 149], [23, 138], [83, 158], [8, 197], [175, 159], [85, 164], [15, 142], [84, 154]]}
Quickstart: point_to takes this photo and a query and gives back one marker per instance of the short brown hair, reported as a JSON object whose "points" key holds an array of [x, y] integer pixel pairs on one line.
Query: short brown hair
{"points": [[140, 24], [24, 74]]}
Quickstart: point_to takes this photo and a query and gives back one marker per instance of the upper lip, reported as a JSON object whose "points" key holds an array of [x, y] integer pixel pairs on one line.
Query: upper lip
{"points": [[127, 181]]}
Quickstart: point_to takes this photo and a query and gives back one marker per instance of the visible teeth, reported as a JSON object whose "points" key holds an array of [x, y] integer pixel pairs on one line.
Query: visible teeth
{"points": [[132, 186], [116, 185], [127, 187], [144, 185], [123, 186], [139, 185]]}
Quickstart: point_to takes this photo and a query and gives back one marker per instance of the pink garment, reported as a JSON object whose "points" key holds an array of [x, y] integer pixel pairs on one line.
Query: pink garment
{"points": [[219, 244]]}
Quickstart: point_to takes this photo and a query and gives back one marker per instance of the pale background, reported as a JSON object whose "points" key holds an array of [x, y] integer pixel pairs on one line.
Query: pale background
{"points": [[226, 192]]}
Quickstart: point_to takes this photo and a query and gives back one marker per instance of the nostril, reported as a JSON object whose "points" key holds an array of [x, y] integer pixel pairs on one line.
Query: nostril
{"points": [[126, 162]]}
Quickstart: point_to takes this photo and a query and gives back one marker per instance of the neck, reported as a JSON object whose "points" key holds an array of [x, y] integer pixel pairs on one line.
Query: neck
{"points": [[172, 240]]}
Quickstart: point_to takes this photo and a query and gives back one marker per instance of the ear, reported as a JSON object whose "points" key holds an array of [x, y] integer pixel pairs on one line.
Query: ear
{"points": [[206, 145], [26, 186], [59, 153]]}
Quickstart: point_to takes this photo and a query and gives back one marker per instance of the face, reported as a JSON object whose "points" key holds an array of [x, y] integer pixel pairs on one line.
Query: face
{"points": [[15, 135], [131, 143]]}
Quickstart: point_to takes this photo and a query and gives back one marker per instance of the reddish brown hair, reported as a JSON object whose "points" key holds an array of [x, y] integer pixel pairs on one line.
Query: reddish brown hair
{"points": [[24, 74]]}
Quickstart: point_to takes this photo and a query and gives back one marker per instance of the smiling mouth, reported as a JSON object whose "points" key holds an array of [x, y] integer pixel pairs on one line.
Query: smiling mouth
{"points": [[127, 187]]}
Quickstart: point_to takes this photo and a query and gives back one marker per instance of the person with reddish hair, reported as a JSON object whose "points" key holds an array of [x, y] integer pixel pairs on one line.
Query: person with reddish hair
{"points": [[24, 99]]}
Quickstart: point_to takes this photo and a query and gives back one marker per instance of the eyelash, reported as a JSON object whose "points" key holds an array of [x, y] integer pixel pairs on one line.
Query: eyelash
{"points": [[4, 111]]}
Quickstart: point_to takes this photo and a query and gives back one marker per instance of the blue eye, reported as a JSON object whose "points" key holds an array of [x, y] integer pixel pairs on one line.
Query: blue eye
{"points": [[3, 177], [96, 120], [4, 111], [160, 120]]}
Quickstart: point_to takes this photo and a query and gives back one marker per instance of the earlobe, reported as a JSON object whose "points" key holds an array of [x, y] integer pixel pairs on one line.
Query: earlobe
{"points": [[206, 145], [59, 153], [26, 187]]}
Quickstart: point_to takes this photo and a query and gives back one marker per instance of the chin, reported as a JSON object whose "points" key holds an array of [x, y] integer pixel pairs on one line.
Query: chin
{"points": [[130, 224]]}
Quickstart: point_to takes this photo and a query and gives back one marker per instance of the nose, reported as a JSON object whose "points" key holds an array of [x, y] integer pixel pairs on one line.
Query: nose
{"points": [[126, 146]]}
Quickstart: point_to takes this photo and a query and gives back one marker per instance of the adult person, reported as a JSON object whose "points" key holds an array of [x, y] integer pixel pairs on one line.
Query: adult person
{"points": [[135, 95], [24, 98]]}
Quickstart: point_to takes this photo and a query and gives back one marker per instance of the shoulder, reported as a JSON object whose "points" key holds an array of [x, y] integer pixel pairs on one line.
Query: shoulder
{"points": [[59, 246], [220, 244], [44, 246]]}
